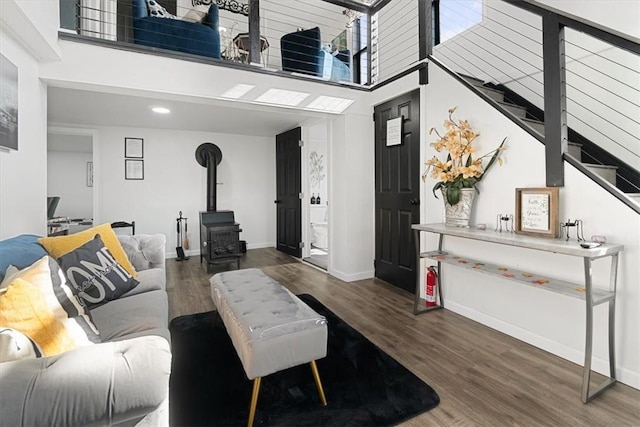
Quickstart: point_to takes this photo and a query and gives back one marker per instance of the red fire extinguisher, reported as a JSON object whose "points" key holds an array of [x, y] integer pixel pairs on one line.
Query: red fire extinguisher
{"points": [[431, 287]]}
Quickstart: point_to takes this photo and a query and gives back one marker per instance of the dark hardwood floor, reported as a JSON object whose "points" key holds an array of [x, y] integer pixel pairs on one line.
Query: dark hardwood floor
{"points": [[483, 377]]}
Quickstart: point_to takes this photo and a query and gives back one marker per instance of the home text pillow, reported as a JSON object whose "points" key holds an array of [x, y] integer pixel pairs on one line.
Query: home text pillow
{"points": [[197, 13], [60, 245], [156, 10], [23, 307], [14, 345], [94, 274], [46, 275]]}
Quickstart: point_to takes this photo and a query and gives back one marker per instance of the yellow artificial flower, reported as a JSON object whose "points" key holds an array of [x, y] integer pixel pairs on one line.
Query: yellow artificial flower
{"points": [[460, 170]]}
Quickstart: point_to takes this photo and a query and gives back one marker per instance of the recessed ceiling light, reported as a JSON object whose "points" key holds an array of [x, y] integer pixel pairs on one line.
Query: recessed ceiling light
{"points": [[160, 110], [238, 91], [329, 104], [282, 97]]}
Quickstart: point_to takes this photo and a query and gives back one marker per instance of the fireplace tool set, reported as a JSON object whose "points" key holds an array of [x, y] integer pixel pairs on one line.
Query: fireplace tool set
{"points": [[182, 236]]}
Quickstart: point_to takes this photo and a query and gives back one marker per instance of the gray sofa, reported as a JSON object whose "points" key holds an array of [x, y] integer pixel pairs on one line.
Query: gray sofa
{"points": [[124, 380]]}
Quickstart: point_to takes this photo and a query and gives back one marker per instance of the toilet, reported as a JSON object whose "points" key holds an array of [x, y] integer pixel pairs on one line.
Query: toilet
{"points": [[319, 229]]}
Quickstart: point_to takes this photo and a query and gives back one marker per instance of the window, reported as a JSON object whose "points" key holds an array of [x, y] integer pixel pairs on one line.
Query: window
{"points": [[361, 49], [452, 17]]}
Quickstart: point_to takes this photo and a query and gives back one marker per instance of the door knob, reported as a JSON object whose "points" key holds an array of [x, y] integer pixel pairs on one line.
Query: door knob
{"points": [[415, 201], [277, 201]]}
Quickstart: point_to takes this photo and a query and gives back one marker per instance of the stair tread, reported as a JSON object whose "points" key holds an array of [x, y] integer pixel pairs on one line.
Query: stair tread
{"points": [[592, 165], [473, 80]]}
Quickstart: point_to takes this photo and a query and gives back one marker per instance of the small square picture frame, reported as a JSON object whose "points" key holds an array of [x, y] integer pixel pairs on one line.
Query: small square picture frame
{"points": [[133, 169], [537, 211], [134, 148]]}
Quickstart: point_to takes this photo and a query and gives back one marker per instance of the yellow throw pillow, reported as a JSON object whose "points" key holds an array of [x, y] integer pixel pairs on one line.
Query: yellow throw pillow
{"points": [[60, 245], [24, 308]]}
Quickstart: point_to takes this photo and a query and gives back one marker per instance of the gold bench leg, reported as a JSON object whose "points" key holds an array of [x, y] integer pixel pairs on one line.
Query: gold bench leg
{"points": [[316, 376], [254, 401]]}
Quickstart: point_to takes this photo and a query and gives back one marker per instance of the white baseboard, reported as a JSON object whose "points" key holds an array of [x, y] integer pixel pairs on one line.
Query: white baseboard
{"points": [[599, 365], [346, 277], [261, 245]]}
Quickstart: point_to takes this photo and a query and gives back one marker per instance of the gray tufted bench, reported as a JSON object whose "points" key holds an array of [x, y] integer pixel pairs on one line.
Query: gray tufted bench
{"points": [[271, 329]]}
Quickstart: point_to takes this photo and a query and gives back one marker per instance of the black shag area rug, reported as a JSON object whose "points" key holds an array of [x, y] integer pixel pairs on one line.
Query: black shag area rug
{"points": [[364, 386]]}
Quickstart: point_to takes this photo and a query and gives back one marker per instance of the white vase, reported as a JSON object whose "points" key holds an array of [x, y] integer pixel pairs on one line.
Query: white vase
{"points": [[458, 215]]}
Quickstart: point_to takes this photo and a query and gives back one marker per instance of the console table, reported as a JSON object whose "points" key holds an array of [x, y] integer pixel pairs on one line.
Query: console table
{"points": [[592, 295]]}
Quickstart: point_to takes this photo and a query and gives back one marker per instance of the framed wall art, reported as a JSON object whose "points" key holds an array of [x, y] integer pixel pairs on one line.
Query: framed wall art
{"points": [[133, 169], [134, 148], [8, 104], [537, 211]]}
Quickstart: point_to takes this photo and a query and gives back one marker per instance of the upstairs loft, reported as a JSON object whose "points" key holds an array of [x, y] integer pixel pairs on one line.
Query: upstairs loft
{"points": [[313, 39]]}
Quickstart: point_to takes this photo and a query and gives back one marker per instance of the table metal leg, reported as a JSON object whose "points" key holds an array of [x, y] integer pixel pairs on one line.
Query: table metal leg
{"points": [[416, 300], [588, 349]]}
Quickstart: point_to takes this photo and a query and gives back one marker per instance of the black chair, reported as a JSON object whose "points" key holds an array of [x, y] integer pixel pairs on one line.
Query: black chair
{"points": [[122, 224], [52, 204]]}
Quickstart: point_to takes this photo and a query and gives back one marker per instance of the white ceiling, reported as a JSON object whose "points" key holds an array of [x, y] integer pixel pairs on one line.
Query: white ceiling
{"points": [[88, 108]]}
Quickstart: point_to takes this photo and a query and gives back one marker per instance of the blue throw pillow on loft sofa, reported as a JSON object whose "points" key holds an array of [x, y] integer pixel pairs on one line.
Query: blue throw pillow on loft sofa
{"points": [[20, 251]]}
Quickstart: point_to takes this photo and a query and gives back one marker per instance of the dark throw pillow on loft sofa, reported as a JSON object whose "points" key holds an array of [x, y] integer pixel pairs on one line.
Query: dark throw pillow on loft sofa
{"points": [[94, 274]]}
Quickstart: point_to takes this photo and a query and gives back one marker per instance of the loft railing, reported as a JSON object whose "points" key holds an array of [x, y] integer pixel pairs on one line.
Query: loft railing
{"points": [[577, 77], [356, 42]]}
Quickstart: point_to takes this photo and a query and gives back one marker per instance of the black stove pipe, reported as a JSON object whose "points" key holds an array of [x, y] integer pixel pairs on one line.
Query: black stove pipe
{"points": [[210, 156], [212, 175]]}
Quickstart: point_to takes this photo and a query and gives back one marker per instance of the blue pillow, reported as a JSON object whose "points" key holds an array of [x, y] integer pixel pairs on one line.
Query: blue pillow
{"points": [[20, 251]]}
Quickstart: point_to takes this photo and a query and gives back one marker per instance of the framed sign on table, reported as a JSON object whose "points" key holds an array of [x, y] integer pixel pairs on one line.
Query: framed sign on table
{"points": [[537, 211]]}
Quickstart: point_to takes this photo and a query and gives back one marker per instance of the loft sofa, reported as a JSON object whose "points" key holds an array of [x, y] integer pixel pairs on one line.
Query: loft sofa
{"points": [[196, 38], [302, 52], [122, 380]]}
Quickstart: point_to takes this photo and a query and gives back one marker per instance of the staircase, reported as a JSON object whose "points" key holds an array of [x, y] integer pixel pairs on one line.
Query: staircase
{"points": [[575, 149]]}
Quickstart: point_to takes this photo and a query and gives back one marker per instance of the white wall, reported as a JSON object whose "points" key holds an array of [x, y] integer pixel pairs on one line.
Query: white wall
{"points": [[67, 178], [318, 145], [546, 320], [23, 173], [174, 181], [351, 207], [397, 46]]}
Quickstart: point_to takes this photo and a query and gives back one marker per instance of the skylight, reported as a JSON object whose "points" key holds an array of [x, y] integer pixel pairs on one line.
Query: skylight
{"points": [[238, 91], [329, 104], [282, 97]]}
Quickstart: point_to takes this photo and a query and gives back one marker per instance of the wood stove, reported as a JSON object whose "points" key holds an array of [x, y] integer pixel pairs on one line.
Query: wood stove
{"points": [[219, 238], [219, 233]]}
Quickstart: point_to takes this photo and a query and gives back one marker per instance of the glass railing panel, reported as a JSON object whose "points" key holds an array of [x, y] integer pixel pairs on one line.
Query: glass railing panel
{"points": [[308, 37]]}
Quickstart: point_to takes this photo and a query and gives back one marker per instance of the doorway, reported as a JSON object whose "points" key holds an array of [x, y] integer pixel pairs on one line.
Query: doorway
{"points": [[288, 192], [317, 203], [397, 191], [70, 174]]}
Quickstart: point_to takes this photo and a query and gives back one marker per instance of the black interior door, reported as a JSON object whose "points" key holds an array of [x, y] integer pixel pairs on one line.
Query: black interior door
{"points": [[288, 188], [397, 195]]}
